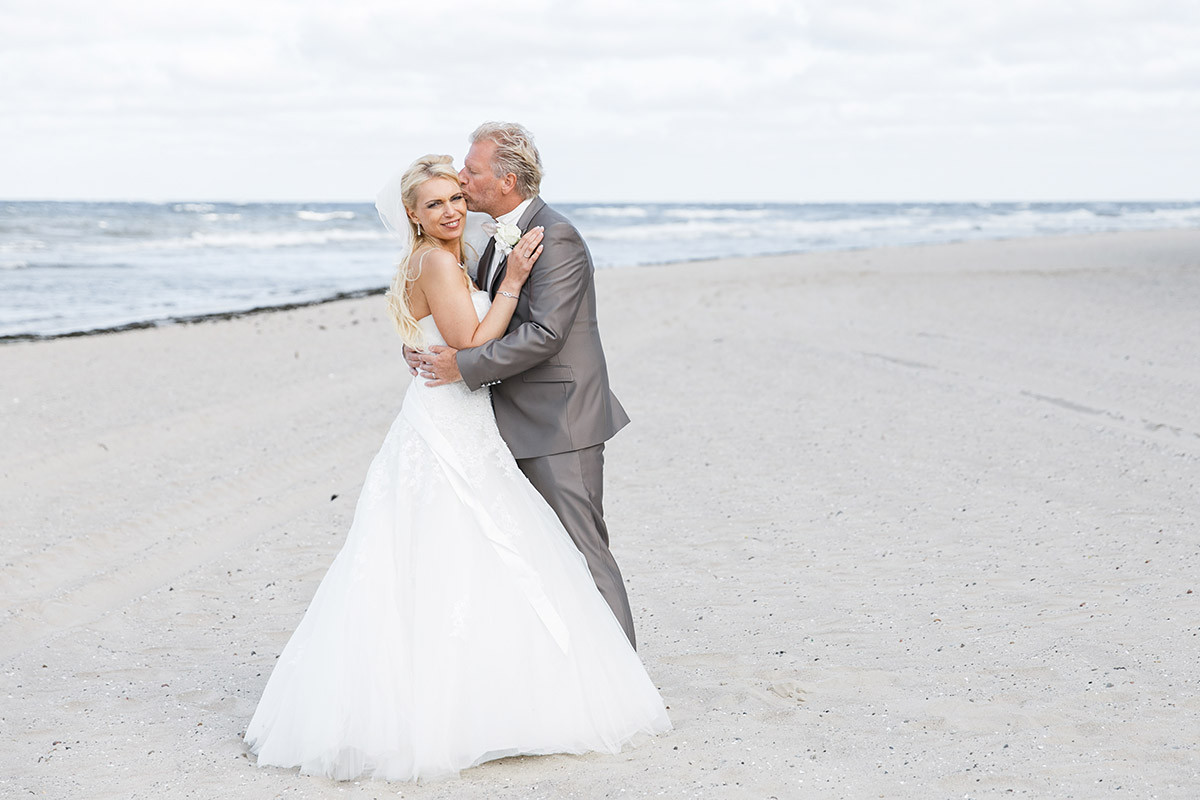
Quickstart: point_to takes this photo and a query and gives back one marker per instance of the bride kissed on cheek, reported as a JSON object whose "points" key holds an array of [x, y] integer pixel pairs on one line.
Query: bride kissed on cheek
{"points": [[459, 623]]}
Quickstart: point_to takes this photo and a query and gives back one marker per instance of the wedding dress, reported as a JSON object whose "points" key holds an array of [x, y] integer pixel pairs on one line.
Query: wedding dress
{"points": [[458, 624]]}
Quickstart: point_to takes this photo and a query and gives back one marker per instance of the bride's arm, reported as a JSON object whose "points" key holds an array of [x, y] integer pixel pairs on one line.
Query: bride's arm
{"points": [[449, 297]]}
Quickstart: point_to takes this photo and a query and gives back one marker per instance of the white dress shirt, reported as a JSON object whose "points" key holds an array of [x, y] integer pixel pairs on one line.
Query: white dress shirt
{"points": [[511, 218]]}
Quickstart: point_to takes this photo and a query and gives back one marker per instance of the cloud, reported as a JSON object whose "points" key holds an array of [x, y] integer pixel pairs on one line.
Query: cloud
{"points": [[239, 98]]}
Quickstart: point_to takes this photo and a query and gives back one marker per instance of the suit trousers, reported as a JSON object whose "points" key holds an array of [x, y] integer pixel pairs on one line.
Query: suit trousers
{"points": [[573, 484]]}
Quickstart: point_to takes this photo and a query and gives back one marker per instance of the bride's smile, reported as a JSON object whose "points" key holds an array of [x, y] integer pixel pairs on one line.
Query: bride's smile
{"points": [[440, 209]]}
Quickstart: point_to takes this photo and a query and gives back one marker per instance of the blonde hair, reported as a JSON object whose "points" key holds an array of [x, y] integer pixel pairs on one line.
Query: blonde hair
{"points": [[424, 169], [515, 153]]}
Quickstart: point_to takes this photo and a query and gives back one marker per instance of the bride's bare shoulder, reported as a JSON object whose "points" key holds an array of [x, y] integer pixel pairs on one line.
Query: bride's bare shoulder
{"points": [[424, 257], [435, 260], [438, 274]]}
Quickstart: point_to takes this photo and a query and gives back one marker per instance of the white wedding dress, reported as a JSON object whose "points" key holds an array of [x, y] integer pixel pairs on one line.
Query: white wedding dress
{"points": [[458, 624]]}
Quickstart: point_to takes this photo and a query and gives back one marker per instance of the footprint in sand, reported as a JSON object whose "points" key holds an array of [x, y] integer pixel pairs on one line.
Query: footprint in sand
{"points": [[788, 690]]}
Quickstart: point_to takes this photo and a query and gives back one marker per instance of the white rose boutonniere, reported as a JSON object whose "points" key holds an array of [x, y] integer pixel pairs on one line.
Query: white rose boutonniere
{"points": [[507, 235]]}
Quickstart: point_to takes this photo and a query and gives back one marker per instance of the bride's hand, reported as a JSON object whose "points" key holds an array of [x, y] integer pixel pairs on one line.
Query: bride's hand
{"points": [[521, 260], [412, 358]]}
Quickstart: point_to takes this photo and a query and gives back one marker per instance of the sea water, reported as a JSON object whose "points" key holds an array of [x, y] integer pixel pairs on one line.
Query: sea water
{"points": [[69, 267]]}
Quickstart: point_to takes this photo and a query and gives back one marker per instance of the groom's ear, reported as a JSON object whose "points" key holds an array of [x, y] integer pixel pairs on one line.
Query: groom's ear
{"points": [[509, 182]]}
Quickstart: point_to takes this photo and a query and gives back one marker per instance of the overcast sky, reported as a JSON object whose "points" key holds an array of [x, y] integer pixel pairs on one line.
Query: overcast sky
{"points": [[707, 100]]}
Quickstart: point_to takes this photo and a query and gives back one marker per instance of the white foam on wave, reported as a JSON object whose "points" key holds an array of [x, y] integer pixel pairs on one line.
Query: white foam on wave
{"points": [[271, 239], [324, 216], [214, 217], [1026, 220], [850, 226], [22, 246], [784, 230], [195, 208], [613, 211], [1168, 217], [251, 240], [716, 213], [666, 231]]}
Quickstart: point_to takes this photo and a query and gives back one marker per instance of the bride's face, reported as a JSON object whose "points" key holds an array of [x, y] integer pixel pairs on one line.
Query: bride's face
{"points": [[440, 209]]}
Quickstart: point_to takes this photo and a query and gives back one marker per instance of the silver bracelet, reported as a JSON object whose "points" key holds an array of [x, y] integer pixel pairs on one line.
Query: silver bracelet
{"points": [[508, 294]]}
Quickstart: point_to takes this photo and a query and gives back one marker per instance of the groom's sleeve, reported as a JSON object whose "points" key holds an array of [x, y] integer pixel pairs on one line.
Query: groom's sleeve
{"points": [[555, 290]]}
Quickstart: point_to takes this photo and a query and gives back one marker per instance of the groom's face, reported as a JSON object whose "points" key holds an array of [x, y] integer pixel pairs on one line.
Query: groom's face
{"points": [[483, 190]]}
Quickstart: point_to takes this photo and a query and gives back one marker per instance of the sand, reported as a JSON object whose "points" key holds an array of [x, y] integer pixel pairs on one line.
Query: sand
{"points": [[908, 523]]}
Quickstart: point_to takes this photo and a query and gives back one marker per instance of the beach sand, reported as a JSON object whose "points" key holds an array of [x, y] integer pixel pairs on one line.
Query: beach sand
{"points": [[917, 522]]}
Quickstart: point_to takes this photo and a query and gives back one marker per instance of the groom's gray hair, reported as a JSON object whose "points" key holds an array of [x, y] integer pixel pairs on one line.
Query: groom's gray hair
{"points": [[515, 153]]}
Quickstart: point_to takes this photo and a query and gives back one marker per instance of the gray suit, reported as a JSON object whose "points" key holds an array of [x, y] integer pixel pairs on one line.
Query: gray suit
{"points": [[550, 391]]}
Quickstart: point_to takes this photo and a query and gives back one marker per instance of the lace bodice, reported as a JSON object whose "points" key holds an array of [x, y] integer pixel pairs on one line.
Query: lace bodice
{"points": [[464, 417]]}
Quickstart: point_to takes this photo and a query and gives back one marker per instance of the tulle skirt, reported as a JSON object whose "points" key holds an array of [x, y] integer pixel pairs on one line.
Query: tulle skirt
{"points": [[458, 624]]}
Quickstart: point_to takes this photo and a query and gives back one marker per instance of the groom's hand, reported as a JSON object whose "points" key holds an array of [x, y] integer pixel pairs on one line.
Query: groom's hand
{"points": [[440, 365]]}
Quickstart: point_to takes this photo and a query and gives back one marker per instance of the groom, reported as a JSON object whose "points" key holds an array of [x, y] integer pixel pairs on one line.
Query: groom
{"points": [[548, 376]]}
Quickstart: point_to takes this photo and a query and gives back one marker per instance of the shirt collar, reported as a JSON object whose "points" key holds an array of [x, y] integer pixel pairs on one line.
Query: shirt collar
{"points": [[514, 216]]}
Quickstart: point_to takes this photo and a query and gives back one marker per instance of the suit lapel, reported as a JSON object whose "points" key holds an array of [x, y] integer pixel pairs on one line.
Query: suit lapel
{"points": [[524, 223], [499, 276], [527, 218], [485, 263]]}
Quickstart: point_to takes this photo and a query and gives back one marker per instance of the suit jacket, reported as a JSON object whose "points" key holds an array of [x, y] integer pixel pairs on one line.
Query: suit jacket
{"points": [[548, 375]]}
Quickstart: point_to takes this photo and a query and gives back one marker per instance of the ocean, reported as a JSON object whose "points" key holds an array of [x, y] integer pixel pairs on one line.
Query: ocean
{"points": [[74, 267]]}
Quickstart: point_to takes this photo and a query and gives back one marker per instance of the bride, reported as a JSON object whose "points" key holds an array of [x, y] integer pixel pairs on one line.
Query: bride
{"points": [[459, 623]]}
